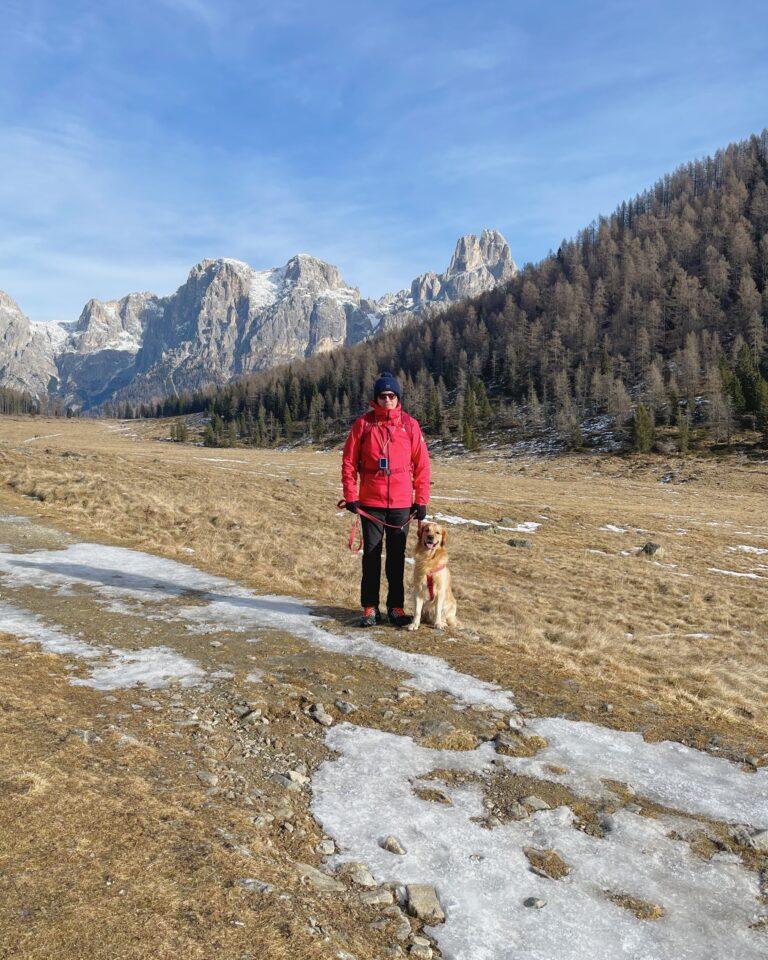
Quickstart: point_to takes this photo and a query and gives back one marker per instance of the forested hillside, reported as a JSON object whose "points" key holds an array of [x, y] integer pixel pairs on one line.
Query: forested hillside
{"points": [[654, 315]]}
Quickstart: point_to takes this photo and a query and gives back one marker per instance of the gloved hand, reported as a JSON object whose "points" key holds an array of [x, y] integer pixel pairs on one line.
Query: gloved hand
{"points": [[419, 510], [352, 505]]}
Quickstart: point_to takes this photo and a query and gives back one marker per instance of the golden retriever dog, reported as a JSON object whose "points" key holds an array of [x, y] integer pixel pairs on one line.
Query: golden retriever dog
{"points": [[432, 579]]}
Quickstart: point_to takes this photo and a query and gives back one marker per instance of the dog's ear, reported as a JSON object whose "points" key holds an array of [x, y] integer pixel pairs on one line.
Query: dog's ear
{"points": [[443, 536]]}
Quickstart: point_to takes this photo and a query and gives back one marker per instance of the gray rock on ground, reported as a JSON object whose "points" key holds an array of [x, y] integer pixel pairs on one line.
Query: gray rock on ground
{"points": [[393, 845], [320, 715], [319, 880], [423, 903]]}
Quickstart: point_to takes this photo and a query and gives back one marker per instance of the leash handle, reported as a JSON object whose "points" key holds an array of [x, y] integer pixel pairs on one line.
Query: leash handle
{"points": [[355, 540]]}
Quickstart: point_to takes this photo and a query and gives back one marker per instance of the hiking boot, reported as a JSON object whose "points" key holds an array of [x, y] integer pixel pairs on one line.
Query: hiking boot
{"points": [[371, 617], [398, 617]]}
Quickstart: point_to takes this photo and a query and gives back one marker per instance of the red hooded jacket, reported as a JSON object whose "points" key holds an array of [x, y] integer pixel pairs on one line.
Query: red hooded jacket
{"points": [[396, 436]]}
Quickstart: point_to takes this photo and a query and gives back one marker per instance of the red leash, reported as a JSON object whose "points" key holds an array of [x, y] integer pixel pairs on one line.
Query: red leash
{"points": [[355, 542]]}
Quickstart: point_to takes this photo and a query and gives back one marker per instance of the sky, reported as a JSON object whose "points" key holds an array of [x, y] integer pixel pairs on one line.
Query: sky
{"points": [[139, 138]]}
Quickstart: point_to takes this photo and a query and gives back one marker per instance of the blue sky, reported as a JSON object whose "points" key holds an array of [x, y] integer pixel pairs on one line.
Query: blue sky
{"points": [[138, 138]]}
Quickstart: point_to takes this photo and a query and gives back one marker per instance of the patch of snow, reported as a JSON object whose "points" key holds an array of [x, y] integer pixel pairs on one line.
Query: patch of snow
{"points": [[527, 526], [117, 573], [745, 548], [669, 773], [482, 876], [265, 287], [448, 518], [151, 667], [29, 628], [612, 528], [220, 460], [735, 573], [41, 436]]}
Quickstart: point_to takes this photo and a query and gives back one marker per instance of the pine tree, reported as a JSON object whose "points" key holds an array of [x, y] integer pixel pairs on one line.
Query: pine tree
{"points": [[683, 431], [643, 432]]}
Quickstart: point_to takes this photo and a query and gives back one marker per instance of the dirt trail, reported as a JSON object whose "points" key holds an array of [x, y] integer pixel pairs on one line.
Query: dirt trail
{"points": [[303, 747]]}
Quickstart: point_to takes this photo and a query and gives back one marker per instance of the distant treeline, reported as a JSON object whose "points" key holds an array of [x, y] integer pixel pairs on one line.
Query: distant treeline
{"points": [[663, 305], [17, 402]]}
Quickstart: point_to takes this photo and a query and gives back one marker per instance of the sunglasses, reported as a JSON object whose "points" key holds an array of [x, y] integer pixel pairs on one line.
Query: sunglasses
{"points": [[387, 396]]}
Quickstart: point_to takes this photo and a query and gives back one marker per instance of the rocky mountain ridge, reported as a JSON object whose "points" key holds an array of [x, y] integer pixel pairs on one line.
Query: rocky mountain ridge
{"points": [[226, 320]]}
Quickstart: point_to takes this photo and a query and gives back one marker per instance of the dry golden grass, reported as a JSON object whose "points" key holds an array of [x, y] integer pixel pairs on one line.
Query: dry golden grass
{"points": [[570, 625], [112, 850]]}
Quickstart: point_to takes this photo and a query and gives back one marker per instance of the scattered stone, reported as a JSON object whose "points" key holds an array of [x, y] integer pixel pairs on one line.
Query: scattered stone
{"points": [[208, 778], [423, 903], [535, 803], [436, 729], [760, 841], [87, 736], [377, 898], [420, 952], [517, 811], [296, 776], [319, 880], [393, 845], [651, 549], [547, 863], [214, 643], [535, 902], [345, 707], [359, 874], [285, 782], [521, 542], [320, 715], [403, 925], [326, 847], [252, 885]]}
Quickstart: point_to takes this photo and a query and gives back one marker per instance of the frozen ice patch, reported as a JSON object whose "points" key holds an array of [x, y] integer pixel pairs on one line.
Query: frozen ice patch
{"points": [[612, 528], [745, 548], [29, 628], [483, 877], [669, 773], [151, 667], [117, 575]]}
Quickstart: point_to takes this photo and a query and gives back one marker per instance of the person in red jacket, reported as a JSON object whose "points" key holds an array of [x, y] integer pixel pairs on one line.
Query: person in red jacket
{"points": [[385, 454]]}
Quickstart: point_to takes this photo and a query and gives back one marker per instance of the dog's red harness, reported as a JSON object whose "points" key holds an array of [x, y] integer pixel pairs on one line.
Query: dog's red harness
{"points": [[431, 580]]}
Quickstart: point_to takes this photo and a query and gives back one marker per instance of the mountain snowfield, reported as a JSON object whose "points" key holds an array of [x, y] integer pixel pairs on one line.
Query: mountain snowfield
{"points": [[496, 907], [225, 321]]}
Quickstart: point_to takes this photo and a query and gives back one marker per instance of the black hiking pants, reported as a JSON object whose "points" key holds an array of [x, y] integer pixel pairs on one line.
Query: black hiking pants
{"points": [[373, 538]]}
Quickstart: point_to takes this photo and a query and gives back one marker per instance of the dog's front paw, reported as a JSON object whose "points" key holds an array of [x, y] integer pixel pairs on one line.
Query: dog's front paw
{"points": [[412, 626], [440, 624]]}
